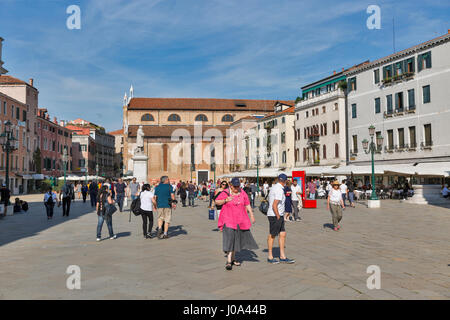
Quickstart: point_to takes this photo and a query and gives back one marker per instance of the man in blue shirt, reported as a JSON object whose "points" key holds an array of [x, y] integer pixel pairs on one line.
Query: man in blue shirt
{"points": [[164, 192]]}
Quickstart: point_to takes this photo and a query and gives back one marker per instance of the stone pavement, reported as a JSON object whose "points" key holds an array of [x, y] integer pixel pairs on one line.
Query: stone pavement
{"points": [[410, 243]]}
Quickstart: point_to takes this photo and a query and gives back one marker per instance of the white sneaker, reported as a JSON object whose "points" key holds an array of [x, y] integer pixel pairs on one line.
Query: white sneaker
{"points": [[113, 237], [98, 239]]}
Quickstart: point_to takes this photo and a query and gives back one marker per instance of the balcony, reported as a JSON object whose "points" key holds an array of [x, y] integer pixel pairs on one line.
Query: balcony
{"points": [[353, 152], [388, 114], [411, 147], [389, 149], [426, 145], [399, 111], [320, 99], [313, 138], [411, 109], [400, 147], [268, 125], [389, 81]]}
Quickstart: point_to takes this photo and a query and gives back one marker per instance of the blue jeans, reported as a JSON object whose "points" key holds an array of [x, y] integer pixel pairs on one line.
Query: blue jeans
{"points": [[133, 197], [119, 200], [93, 197], [191, 199], [351, 197], [344, 197], [312, 196], [108, 220]]}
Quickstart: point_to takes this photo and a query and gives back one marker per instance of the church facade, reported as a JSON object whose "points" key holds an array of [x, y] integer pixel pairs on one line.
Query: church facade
{"points": [[185, 139]]}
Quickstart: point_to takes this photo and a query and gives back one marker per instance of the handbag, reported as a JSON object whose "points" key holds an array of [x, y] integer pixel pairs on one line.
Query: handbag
{"points": [[264, 205], [125, 201], [212, 214], [110, 209]]}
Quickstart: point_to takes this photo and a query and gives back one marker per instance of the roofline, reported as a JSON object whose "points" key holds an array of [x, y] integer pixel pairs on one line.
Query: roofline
{"points": [[337, 75], [411, 50]]}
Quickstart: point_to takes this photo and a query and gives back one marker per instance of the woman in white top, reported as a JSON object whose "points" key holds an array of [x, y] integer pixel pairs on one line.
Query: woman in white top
{"points": [[146, 197], [335, 204]]}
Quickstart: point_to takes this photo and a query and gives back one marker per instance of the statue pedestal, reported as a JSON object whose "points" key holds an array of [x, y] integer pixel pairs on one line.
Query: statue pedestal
{"points": [[140, 162], [427, 194]]}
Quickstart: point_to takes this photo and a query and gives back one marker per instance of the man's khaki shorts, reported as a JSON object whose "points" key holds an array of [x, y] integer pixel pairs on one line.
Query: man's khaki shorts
{"points": [[164, 214]]}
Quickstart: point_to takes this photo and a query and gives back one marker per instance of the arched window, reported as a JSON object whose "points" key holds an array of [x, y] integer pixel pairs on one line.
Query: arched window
{"points": [[324, 156], [201, 117], [227, 118], [147, 117], [174, 117], [336, 150]]}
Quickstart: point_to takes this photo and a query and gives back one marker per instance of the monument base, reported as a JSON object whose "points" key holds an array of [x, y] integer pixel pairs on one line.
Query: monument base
{"points": [[140, 163], [373, 204], [427, 194]]}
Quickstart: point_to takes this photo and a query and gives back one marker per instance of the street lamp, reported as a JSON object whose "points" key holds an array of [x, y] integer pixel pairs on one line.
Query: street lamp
{"points": [[257, 171], [65, 158], [96, 169], [371, 148], [7, 142]]}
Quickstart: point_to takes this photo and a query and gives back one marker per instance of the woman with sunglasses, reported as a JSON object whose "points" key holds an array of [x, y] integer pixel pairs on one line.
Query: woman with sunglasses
{"points": [[222, 187], [235, 222]]}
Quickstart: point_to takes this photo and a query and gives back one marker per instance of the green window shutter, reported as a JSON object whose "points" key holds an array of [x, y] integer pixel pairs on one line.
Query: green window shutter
{"points": [[428, 60], [419, 63]]}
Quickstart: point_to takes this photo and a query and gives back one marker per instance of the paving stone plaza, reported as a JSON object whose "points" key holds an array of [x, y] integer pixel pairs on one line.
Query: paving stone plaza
{"points": [[410, 244]]}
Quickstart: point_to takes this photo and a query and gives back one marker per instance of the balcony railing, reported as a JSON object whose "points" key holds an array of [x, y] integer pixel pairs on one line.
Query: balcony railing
{"points": [[426, 144]]}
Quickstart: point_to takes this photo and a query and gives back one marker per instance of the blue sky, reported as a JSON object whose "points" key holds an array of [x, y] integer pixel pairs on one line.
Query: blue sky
{"points": [[254, 49]]}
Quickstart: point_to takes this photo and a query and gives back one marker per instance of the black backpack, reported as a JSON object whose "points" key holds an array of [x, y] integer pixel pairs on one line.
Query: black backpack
{"points": [[136, 206], [49, 201], [264, 205]]}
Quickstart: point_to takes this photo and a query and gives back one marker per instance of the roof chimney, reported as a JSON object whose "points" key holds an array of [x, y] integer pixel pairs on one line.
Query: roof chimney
{"points": [[31, 81], [343, 69], [448, 31], [55, 120], [334, 72]]}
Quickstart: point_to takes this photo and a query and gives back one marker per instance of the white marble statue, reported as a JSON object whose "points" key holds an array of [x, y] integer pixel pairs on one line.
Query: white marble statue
{"points": [[139, 141]]}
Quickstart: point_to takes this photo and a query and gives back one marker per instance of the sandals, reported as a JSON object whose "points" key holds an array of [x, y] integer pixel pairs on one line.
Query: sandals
{"points": [[229, 266], [236, 263]]}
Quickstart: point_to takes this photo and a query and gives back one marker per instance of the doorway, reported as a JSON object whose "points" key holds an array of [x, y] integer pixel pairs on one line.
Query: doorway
{"points": [[202, 176]]}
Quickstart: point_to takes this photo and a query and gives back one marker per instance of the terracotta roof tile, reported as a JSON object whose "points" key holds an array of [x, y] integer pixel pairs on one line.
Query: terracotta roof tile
{"points": [[202, 104], [11, 80], [116, 132]]}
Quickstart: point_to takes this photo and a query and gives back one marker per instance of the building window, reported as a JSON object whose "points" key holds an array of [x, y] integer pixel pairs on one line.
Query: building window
{"points": [[409, 65], [389, 104], [387, 72], [376, 76], [147, 117], [336, 107], [426, 94], [412, 137], [306, 114], [336, 150], [304, 154], [355, 143], [324, 109], [352, 84], [411, 99], [283, 137], [390, 141], [401, 138], [399, 101], [174, 117], [354, 111], [227, 118], [424, 61], [283, 120], [283, 157], [201, 117], [324, 152], [377, 105], [427, 131]]}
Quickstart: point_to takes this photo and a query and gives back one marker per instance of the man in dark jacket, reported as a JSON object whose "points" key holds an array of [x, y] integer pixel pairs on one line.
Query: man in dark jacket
{"points": [[93, 191], [5, 195], [67, 195]]}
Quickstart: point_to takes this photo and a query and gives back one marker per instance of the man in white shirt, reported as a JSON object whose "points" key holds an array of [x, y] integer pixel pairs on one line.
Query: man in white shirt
{"points": [[296, 198], [265, 188], [276, 220], [344, 191]]}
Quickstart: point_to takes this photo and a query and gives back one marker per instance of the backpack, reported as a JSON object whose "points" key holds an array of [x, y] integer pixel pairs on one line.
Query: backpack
{"points": [[135, 206], [50, 200], [264, 205]]}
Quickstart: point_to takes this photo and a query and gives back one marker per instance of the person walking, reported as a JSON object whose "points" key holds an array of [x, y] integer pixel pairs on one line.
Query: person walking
{"points": [[78, 187], [50, 200], [311, 189], [275, 214], [182, 192], [146, 197], [204, 193], [104, 198], [5, 194], [351, 192], [67, 195], [84, 191], [253, 190], [163, 202], [296, 198], [212, 192], [191, 195], [93, 192], [335, 204], [134, 189], [265, 189], [235, 223], [121, 188], [288, 202], [344, 191]]}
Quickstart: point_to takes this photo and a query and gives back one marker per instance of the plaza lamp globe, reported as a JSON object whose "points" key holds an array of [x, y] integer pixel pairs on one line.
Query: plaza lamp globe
{"points": [[365, 144], [380, 140], [371, 130]]}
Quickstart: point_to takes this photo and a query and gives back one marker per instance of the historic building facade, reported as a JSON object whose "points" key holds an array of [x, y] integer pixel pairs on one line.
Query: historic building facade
{"points": [[406, 97], [185, 139]]}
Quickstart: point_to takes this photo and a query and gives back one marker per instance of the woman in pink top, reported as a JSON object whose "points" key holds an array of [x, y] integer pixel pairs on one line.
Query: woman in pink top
{"points": [[235, 223]]}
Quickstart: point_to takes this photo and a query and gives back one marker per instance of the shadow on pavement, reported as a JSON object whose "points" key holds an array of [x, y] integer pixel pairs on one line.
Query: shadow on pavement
{"points": [[176, 231], [247, 255], [24, 225]]}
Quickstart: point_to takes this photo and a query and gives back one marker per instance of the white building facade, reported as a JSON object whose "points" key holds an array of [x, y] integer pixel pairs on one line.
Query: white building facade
{"points": [[406, 97]]}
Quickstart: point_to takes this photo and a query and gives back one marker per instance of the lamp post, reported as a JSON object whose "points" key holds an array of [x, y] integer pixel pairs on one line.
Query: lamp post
{"points": [[96, 169], [6, 140], [371, 148], [65, 163], [257, 171]]}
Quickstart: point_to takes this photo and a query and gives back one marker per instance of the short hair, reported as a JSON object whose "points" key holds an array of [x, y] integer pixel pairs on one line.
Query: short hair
{"points": [[164, 179]]}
